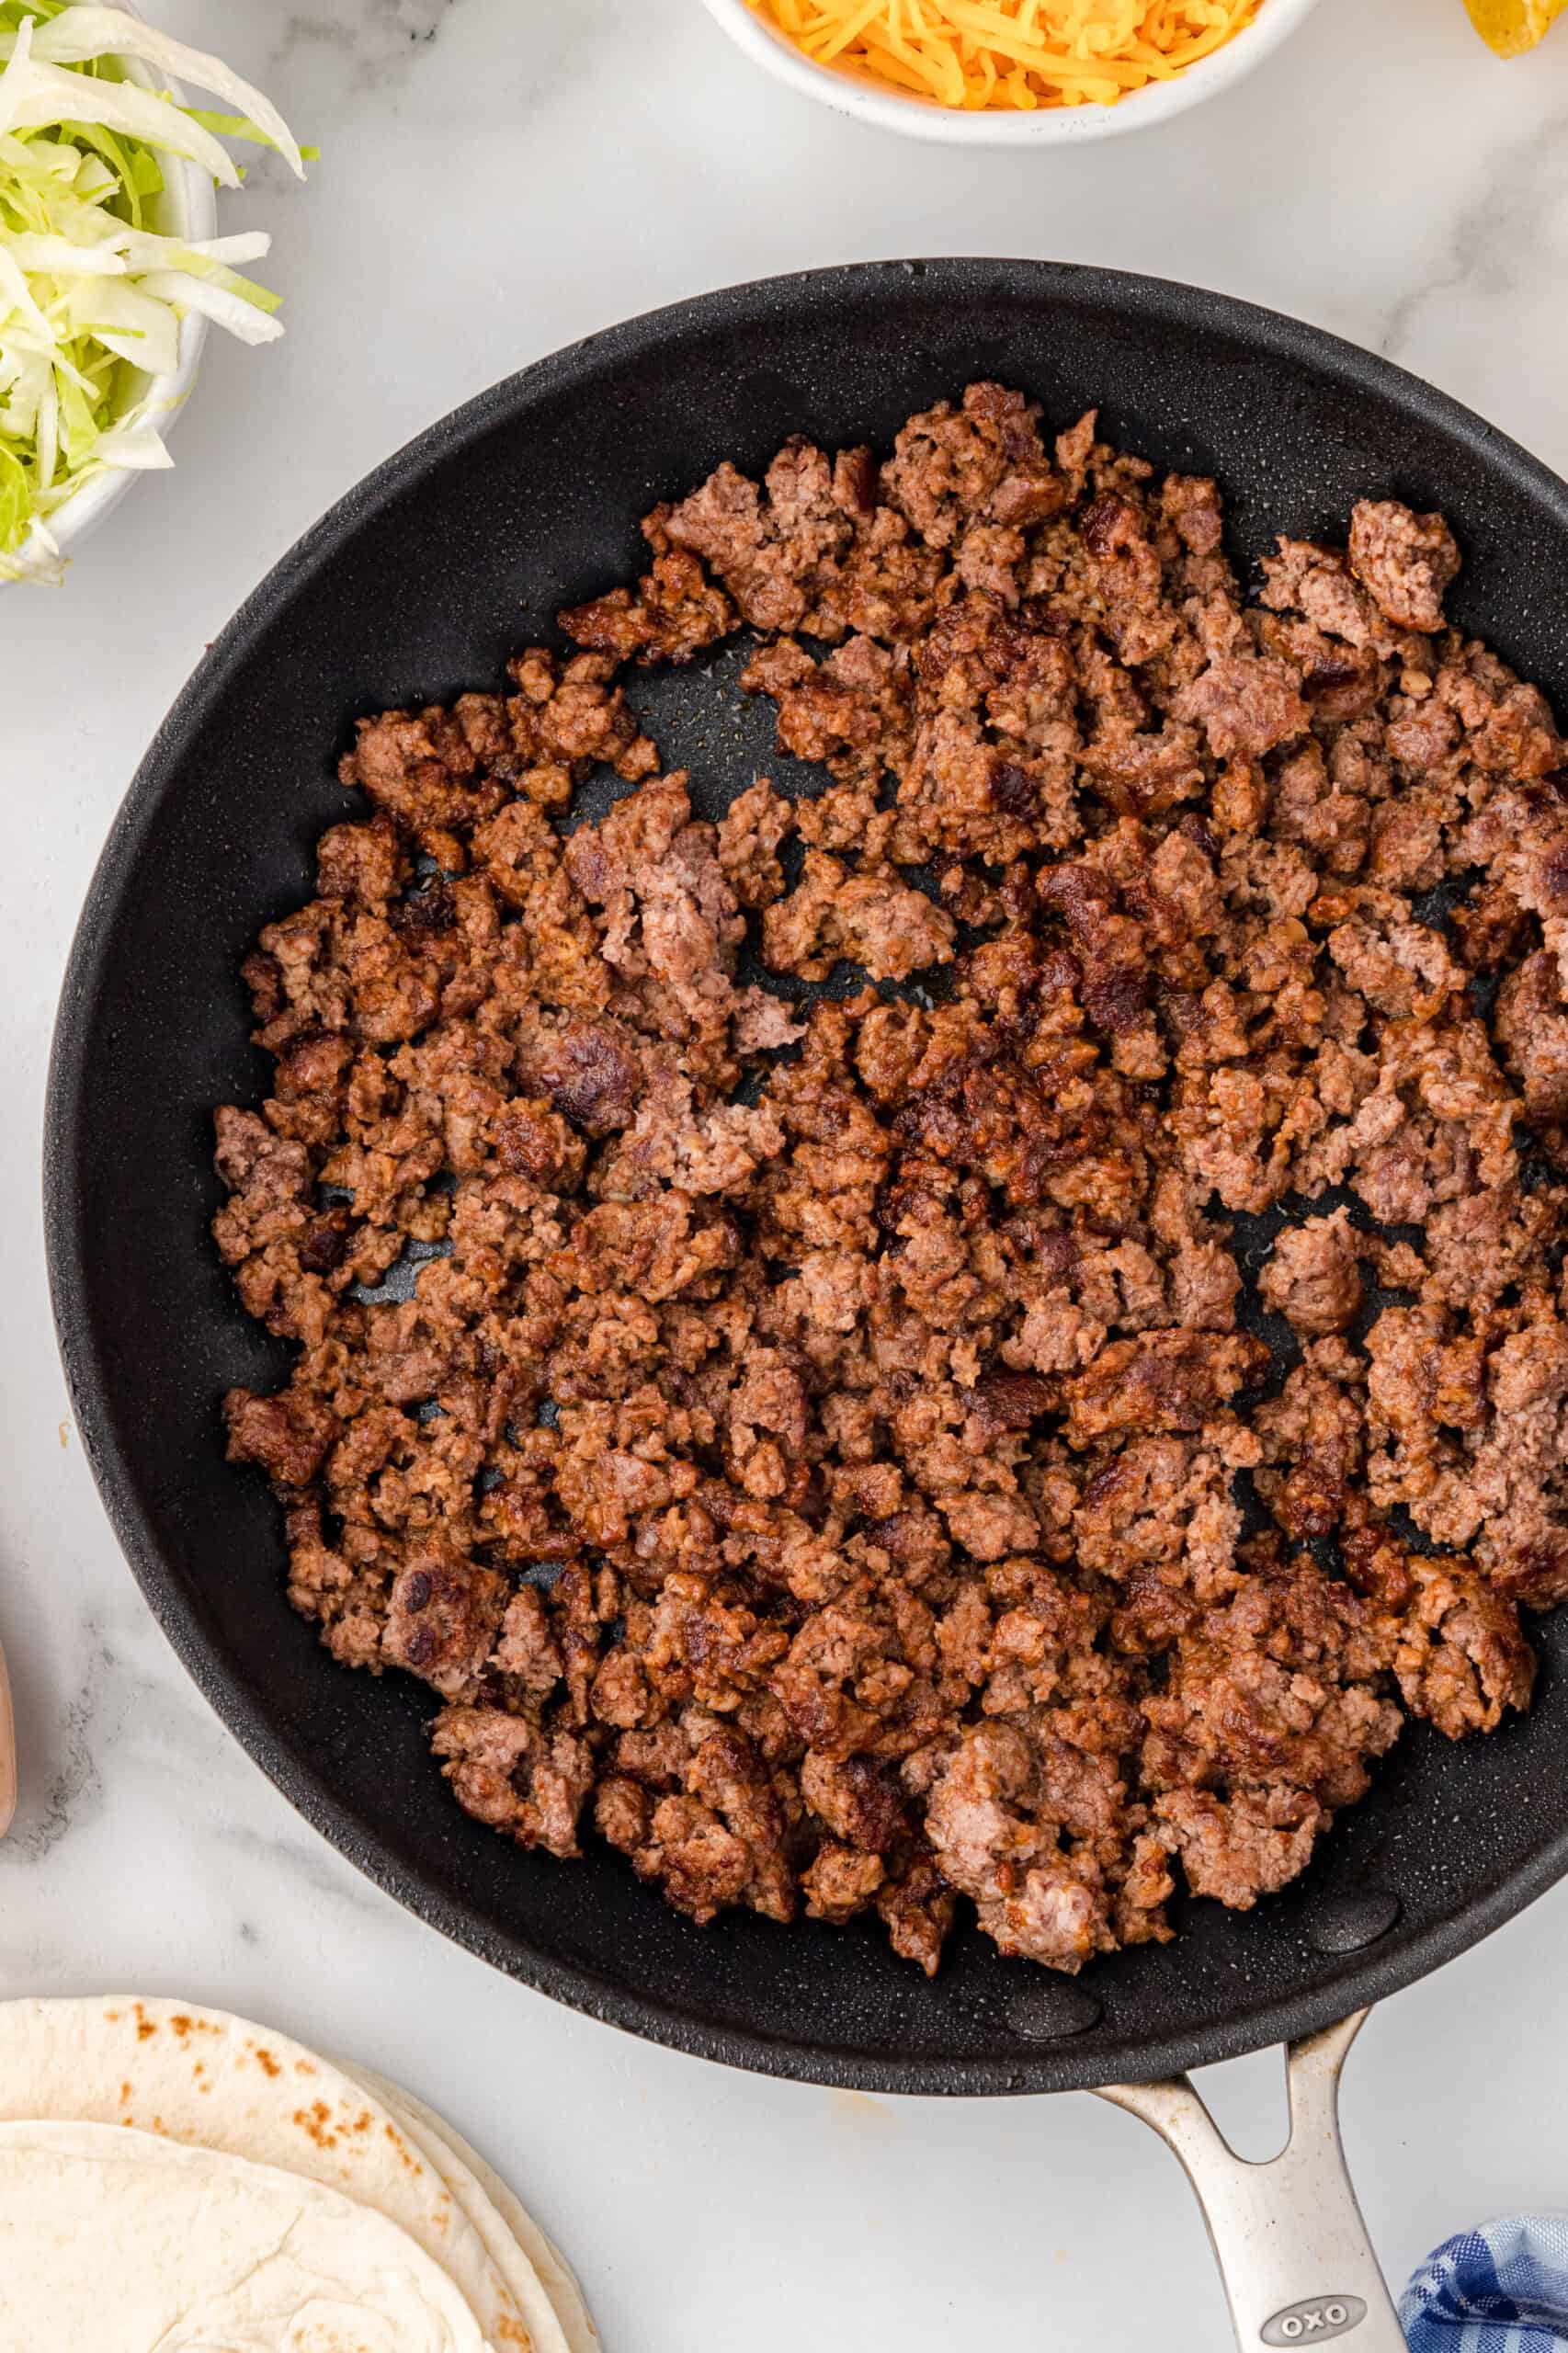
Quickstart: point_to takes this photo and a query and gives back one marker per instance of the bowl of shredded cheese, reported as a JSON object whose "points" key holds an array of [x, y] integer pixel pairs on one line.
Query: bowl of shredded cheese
{"points": [[1009, 72]]}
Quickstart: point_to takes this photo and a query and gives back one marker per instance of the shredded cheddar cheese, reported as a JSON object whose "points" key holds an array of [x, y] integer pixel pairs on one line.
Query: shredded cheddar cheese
{"points": [[1020, 53]]}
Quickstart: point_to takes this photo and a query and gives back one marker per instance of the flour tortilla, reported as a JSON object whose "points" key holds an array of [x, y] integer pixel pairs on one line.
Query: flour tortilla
{"points": [[211, 2081], [499, 2215], [121, 2242]]}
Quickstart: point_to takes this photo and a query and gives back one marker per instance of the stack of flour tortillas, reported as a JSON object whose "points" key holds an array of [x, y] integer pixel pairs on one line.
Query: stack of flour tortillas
{"points": [[173, 2181]]}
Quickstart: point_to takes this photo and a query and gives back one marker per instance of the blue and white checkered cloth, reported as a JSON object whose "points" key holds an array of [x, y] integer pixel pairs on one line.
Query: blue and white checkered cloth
{"points": [[1503, 2289]]}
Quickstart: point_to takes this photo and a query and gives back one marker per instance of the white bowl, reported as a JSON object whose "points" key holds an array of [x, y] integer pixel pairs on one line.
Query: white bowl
{"points": [[187, 208], [1048, 126]]}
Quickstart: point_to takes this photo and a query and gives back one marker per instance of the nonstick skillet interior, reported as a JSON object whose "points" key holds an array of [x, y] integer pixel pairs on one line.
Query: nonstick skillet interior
{"points": [[418, 586]]}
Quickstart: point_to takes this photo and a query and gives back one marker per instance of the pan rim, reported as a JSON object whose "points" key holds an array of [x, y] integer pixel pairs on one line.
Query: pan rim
{"points": [[1063, 2063]]}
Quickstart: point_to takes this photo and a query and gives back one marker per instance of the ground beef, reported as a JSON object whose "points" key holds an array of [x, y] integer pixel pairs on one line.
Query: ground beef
{"points": [[872, 917], [1313, 1275], [824, 1447], [1406, 561]]}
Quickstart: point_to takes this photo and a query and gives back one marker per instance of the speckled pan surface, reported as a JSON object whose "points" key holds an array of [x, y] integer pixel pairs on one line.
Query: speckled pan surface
{"points": [[417, 585]]}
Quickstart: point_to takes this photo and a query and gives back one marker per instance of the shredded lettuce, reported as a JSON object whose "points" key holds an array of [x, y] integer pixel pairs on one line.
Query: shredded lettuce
{"points": [[91, 296]]}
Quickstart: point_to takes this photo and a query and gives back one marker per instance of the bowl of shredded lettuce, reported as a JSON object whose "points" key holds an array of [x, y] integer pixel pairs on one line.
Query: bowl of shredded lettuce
{"points": [[110, 266]]}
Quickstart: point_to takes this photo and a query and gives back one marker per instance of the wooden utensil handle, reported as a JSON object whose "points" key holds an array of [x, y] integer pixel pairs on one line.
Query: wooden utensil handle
{"points": [[7, 1752]]}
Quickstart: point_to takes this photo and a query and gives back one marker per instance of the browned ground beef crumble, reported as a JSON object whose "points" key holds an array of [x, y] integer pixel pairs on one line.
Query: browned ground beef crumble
{"points": [[854, 1479]]}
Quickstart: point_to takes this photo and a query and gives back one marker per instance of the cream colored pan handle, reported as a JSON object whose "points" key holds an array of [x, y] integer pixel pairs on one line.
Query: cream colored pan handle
{"points": [[1291, 2246]]}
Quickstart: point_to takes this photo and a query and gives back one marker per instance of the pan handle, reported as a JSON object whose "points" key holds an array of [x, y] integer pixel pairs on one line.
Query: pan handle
{"points": [[1292, 2249]]}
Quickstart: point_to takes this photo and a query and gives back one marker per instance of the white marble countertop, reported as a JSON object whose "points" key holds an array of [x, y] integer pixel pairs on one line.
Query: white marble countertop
{"points": [[499, 178]]}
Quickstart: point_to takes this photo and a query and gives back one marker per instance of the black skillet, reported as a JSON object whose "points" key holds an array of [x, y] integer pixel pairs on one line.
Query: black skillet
{"points": [[417, 585]]}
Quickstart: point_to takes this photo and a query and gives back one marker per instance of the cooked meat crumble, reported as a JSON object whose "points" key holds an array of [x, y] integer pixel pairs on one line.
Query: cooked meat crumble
{"points": [[829, 1449]]}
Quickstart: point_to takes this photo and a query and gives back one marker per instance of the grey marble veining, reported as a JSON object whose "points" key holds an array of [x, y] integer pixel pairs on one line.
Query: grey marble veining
{"points": [[1503, 242], [367, 49], [499, 177]]}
